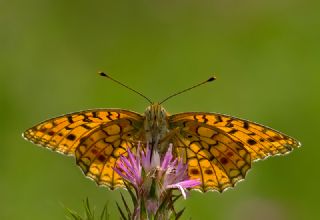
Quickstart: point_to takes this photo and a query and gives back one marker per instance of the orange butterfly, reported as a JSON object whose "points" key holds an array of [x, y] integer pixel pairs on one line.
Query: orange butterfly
{"points": [[218, 148]]}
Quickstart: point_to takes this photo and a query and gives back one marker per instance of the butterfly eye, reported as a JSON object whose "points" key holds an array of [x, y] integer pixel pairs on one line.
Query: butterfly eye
{"points": [[189, 136]]}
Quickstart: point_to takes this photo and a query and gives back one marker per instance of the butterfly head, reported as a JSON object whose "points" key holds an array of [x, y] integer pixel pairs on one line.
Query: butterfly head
{"points": [[156, 115]]}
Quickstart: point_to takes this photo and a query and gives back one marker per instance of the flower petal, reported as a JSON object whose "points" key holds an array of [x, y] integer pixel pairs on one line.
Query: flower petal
{"points": [[167, 158]]}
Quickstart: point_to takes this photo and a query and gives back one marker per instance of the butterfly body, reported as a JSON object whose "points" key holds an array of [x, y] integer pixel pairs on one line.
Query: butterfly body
{"points": [[156, 127], [219, 149]]}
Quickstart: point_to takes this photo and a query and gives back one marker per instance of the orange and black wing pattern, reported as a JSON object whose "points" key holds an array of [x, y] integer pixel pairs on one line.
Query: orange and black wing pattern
{"points": [[98, 153], [63, 133], [219, 149], [95, 137]]}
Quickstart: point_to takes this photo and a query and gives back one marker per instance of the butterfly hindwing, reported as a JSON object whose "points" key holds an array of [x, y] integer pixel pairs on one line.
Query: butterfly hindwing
{"points": [[99, 151], [63, 134], [212, 156]]}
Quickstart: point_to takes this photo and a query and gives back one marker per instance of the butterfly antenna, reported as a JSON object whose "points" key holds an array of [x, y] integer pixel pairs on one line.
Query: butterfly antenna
{"points": [[192, 87], [116, 81]]}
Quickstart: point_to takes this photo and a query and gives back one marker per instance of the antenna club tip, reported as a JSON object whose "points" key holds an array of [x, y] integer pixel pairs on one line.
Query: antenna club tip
{"points": [[211, 79], [103, 74]]}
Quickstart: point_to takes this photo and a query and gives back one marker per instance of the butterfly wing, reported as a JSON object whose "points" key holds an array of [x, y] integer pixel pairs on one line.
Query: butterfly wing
{"points": [[99, 151], [212, 156], [63, 134], [261, 141], [96, 137], [219, 148]]}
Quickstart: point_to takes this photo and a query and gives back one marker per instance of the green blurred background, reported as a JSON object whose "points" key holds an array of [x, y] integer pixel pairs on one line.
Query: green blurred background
{"points": [[264, 53]]}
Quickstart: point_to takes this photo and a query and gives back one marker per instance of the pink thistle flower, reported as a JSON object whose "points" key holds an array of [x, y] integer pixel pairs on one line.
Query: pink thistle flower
{"points": [[153, 178], [129, 168]]}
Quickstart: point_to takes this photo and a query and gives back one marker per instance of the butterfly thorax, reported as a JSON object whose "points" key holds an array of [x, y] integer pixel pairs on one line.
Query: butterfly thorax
{"points": [[156, 126]]}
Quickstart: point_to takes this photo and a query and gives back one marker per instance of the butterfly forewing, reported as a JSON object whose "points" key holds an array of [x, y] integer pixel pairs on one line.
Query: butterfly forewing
{"points": [[259, 140], [63, 134], [229, 145]]}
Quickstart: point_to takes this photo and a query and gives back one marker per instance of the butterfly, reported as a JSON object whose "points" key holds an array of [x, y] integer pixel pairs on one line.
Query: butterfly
{"points": [[219, 149]]}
